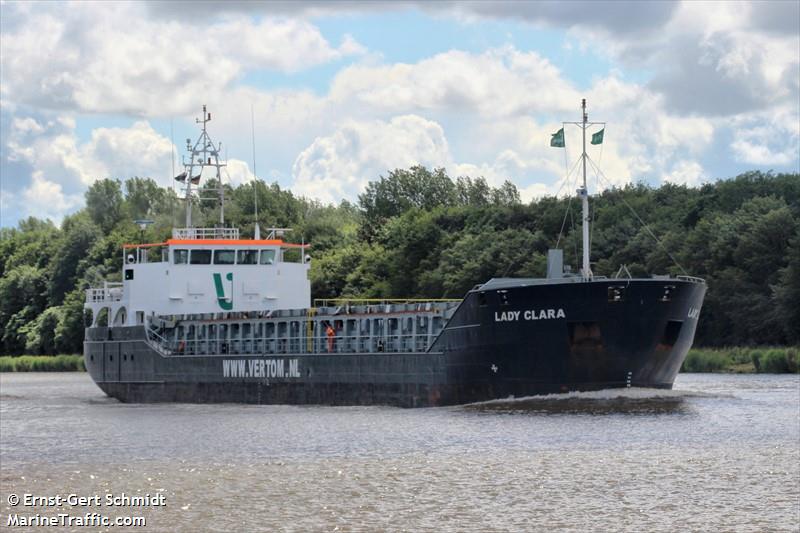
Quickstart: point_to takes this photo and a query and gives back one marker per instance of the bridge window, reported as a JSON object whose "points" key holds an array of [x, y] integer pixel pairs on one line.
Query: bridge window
{"points": [[224, 257], [247, 257], [200, 257], [267, 257], [181, 257]]}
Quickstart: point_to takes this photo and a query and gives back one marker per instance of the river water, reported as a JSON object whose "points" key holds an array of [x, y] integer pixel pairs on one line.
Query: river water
{"points": [[718, 453]]}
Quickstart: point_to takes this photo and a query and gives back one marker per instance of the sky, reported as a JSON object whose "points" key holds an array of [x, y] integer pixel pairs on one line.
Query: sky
{"points": [[335, 94]]}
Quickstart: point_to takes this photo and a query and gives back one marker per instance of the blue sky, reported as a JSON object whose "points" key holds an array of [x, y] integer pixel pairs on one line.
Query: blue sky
{"points": [[342, 92]]}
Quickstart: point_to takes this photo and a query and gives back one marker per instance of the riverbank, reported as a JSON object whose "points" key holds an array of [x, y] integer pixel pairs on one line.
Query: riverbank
{"points": [[743, 360], [42, 363], [739, 360]]}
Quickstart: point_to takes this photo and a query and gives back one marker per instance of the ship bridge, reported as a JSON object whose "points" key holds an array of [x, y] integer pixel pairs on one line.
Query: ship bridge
{"points": [[204, 271]]}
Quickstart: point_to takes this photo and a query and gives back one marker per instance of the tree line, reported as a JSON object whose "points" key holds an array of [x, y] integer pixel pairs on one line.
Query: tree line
{"points": [[418, 233]]}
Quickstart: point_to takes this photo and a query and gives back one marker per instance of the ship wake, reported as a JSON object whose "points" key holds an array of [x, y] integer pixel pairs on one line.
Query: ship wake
{"points": [[634, 400]]}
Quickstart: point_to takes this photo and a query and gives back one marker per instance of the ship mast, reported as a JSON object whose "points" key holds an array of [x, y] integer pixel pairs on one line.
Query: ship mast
{"points": [[202, 154], [583, 192]]}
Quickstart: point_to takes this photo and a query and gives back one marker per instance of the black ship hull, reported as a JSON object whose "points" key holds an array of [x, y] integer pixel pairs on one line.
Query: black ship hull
{"points": [[507, 339]]}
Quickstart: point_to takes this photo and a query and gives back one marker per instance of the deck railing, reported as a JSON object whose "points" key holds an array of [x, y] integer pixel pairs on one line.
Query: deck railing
{"points": [[338, 302], [205, 233], [110, 292], [693, 279], [398, 343]]}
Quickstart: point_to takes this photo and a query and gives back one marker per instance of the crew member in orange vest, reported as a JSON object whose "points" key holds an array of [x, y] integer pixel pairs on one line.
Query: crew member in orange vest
{"points": [[331, 337]]}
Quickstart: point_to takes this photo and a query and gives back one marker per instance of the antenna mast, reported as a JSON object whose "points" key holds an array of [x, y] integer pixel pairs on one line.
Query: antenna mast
{"points": [[257, 232], [203, 154], [583, 192]]}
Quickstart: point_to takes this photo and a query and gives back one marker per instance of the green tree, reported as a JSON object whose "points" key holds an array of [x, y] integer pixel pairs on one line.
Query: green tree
{"points": [[68, 262], [104, 203], [145, 199], [787, 292], [23, 296], [401, 190], [68, 336]]}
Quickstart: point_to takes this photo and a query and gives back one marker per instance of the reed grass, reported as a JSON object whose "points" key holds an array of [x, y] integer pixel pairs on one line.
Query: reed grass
{"points": [[747, 360], [42, 363]]}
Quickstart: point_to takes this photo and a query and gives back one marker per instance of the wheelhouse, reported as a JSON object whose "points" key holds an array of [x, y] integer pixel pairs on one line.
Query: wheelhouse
{"points": [[204, 271]]}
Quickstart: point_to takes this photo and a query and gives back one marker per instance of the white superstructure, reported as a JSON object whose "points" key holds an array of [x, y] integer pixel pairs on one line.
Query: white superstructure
{"points": [[203, 276], [204, 271]]}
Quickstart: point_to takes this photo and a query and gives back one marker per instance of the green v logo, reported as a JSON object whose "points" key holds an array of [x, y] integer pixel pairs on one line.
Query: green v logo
{"points": [[225, 303]]}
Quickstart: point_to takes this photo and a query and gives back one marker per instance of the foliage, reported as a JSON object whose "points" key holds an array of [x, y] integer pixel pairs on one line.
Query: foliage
{"points": [[706, 361], [420, 188], [104, 203], [765, 360], [419, 233], [31, 363]]}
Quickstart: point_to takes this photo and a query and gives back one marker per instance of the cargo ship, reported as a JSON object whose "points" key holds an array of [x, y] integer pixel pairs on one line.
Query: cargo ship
{"points": [[209, 316]]}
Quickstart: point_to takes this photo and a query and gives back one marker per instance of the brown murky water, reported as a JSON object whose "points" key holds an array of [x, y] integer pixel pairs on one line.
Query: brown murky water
{"points": [[719, 453]]}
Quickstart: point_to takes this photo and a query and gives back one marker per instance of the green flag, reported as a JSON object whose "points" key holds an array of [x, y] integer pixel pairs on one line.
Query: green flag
{"points": [[557, 139], [597, 138]]}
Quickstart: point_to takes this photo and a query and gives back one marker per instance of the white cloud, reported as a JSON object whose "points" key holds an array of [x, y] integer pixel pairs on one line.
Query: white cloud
{"points": [[86, 57], [770, 139], [498, 82], [494, 98], [490, 102], [46, 199], [716, 69], [712, 58], [27, 125], [685, 173], [340, 165], [482, 101], [54, 151], [237, 173], [758, 153], [135, 151], [287, 45], [61, 167]]}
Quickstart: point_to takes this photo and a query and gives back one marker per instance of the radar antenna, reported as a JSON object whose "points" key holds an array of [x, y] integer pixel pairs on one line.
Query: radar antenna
{"points": [[203, 153]]}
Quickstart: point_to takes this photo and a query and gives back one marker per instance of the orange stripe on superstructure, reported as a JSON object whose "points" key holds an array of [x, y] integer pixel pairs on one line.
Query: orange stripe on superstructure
{"points": [[126, 246], [236, 242], [230, 242]]}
